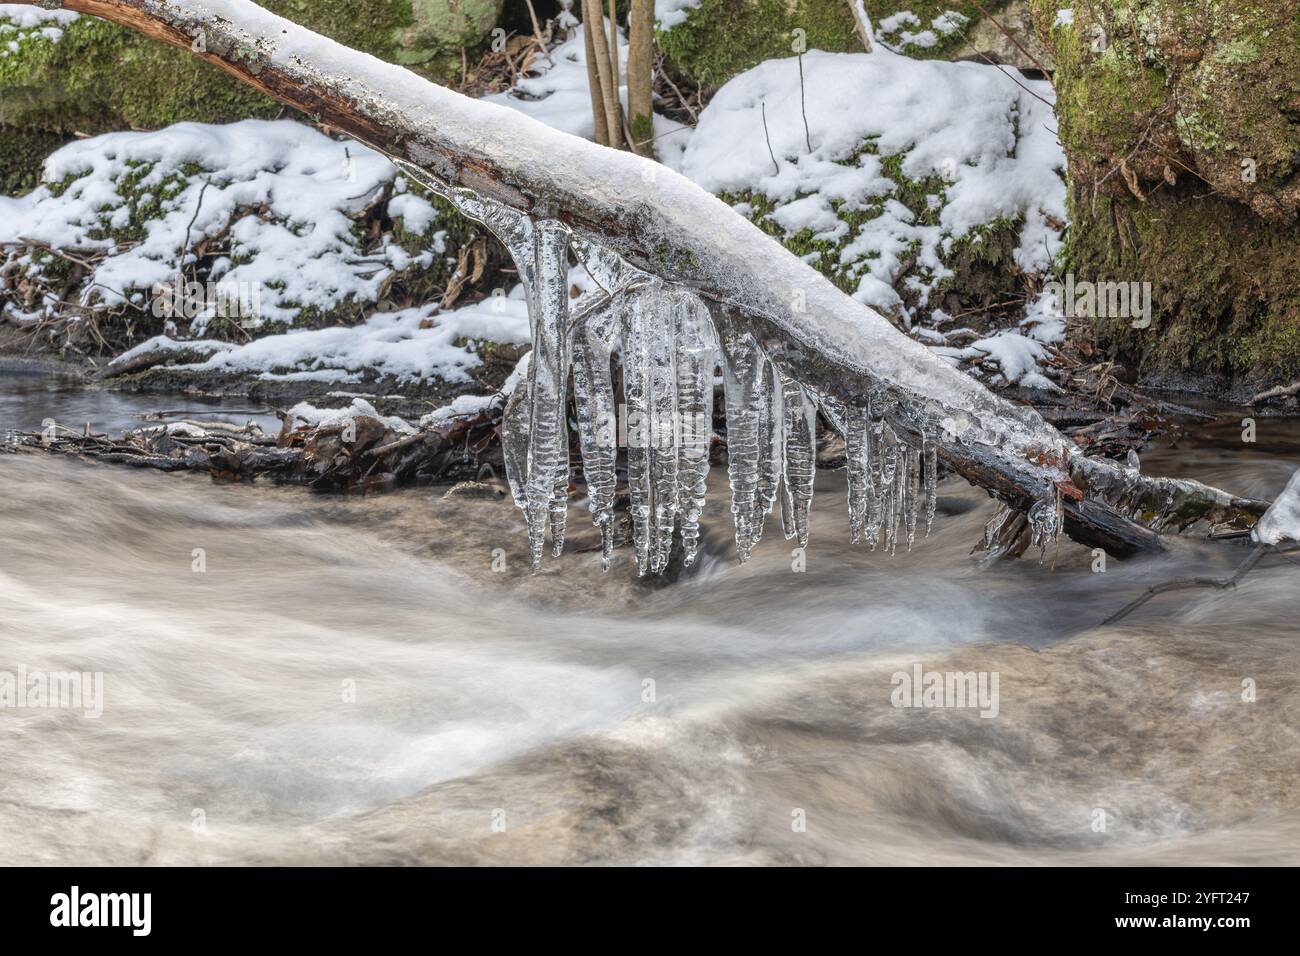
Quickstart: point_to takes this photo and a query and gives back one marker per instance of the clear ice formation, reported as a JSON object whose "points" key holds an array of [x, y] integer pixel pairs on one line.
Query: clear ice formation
{"points": [[669, 347]]}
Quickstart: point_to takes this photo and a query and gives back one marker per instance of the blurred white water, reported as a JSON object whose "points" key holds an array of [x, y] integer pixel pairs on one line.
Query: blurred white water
{"points": [[348, 680]]}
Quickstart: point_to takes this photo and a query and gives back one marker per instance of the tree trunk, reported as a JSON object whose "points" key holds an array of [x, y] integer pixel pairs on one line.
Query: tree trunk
{"points": [[640, 77], [666, 225], [593, 84], [593, 25]]}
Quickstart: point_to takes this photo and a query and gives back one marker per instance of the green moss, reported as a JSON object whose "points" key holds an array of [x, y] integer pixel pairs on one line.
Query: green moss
{"points": [[1156, 124], [22, 152], [926, 11], [1225, 292], [98, 76], [722, 38]]}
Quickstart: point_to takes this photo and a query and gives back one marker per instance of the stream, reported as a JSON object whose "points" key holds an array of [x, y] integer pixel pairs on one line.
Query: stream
{"points": [[298, 678]]}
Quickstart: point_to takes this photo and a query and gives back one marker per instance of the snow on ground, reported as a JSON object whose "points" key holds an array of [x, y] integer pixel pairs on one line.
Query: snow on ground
{"points": [[982, 144], [23, 26], [285, 193], [894, 31], [409, 345], [305, 413], [965, 124]]}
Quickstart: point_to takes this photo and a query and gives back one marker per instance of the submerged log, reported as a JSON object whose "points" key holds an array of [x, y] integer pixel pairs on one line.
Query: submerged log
{"points": [[667, 226]]}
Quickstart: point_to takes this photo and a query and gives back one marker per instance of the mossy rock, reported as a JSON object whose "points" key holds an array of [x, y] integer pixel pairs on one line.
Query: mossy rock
{"points": [[24, 150], [983, 280], [722, 38], [91, 76], [1181, 123], [1210, 91]]}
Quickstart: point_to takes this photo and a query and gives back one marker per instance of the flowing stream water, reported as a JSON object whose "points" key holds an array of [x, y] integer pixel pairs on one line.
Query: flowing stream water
{"points": [[382, 680]]}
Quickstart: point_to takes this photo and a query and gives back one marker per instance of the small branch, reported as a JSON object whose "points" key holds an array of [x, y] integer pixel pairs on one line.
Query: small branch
{"points": [[1016, 43], [861, 22], [776, 167], [1181, 585], [807, 137], [1281, 391]]}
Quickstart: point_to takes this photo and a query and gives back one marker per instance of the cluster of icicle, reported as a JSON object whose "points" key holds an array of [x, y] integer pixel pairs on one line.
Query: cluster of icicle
{"points": [[669, 349]]}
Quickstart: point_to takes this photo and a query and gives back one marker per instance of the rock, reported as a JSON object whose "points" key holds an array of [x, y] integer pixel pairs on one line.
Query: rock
{"points": [[1184, 168], [90, 76], [721, 39], [985, 42]]}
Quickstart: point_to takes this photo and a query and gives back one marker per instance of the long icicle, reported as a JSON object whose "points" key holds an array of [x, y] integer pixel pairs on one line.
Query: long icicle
{"points": [[799, 462], [697, 350], [540, 251], [743, 369], [771, 443], [594, 334]]}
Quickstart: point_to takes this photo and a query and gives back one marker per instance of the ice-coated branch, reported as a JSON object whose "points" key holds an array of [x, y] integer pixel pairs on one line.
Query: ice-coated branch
{"points": [[663, 224]]}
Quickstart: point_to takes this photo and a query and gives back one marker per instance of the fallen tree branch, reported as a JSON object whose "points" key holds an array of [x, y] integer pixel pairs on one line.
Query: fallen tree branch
{"points": [[1280, 391], [667, 226]]}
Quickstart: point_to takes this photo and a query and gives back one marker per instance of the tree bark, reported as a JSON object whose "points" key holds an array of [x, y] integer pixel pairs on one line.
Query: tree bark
{"points": [[666, 225], [593, 25], [593, 84], [861, 23], [640, 77]]}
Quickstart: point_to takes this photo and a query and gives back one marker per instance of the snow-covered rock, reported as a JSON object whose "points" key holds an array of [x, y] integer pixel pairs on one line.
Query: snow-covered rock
{"points": [[1281, 523]]}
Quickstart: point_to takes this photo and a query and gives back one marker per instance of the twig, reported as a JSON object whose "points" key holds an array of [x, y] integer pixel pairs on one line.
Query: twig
{"points": [[1225, 584], [776, 167], [807, 137], [537, 33], [695, 117]]}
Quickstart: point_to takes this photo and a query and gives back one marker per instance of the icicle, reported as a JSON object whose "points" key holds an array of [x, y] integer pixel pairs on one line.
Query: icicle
{"points": [[593, 337], [1046, 519], [650, 389], [540, 251], [799, 463], [636, 396], [913, 494], [514, 442], [771, 444], [743, 371], [697, 347], [665, 427], [890, 466], [931, 455], [861, 472], [546, 281]]}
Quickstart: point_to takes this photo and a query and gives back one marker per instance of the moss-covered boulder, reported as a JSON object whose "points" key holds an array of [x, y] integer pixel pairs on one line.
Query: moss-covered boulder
{"points": [[720, 39], [62, 76], [1182, 127]]}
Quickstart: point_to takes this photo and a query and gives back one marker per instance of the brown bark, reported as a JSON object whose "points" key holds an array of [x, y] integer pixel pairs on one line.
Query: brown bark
{"points": [[640, 77], [593, 84], [593, 23]]}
